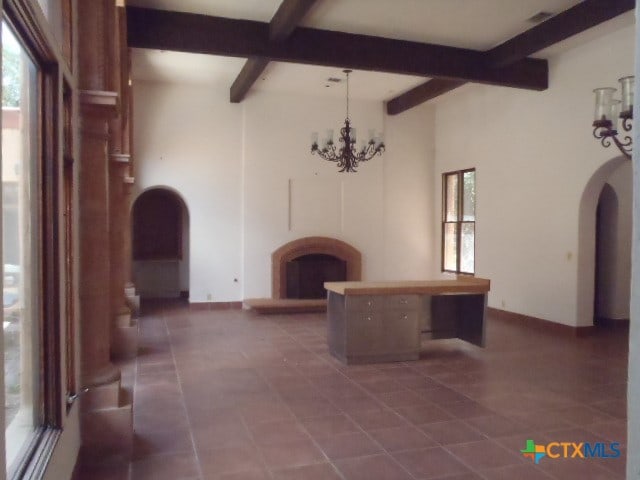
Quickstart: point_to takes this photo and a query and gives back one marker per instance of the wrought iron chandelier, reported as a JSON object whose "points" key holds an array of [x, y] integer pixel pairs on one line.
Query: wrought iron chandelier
{"points": [[608, 110], [347, 156]]}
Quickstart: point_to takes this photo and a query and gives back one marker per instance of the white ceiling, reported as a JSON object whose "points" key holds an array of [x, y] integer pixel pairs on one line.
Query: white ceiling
{"points": [[476, 24], [259, 10]]}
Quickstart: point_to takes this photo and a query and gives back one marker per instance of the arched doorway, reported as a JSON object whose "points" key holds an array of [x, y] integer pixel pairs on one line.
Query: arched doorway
{"points": [[604, 247], [160, 241]]}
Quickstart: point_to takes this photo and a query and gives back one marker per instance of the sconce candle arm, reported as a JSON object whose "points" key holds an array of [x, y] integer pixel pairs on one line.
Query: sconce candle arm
{"points": [[603, 130]]}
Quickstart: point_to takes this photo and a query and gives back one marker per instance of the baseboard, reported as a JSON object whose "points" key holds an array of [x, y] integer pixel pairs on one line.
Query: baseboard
{"points": [[215, 306], [542, 324], [612, 322]]}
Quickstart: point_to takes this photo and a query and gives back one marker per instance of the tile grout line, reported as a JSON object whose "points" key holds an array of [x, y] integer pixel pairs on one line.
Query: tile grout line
{"points": [[348, 416], [294, 416], [184, 405]]}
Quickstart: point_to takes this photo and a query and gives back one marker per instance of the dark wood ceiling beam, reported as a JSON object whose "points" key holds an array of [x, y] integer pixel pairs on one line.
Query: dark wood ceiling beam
{"points": [[284, 21], [186, 32], [251, 71], [287, 18], [431, 89], [581, 17]]}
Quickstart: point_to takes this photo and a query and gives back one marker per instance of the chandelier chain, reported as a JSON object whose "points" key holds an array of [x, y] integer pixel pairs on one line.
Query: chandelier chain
{"points": [[347, 72]]}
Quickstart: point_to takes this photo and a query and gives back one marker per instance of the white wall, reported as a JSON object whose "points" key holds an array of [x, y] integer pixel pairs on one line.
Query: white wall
{"points": [[189, 139], [251, 183], [534, 154], [411, 251]]}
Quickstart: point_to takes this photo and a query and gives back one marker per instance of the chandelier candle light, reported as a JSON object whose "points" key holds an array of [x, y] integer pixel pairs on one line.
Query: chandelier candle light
{"points": [[347, 156], [608, 110]]}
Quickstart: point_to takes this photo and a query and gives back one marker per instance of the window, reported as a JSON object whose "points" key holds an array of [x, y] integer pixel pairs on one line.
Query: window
{"points": [[459, 221], [31, 340], [20, 250]]}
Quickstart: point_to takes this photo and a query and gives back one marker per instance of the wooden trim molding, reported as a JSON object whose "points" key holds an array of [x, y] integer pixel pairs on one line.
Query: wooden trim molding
{"points": [[99, 103], [542, 324], [120, 158], [308, 246]]}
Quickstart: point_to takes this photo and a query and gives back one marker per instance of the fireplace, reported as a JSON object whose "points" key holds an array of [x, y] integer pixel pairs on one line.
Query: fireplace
{"points": [[306, 274], [300, 267]]}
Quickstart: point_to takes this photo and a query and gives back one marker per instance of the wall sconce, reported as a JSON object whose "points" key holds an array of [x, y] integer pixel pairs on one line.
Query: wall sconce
{"points": [[609, 110]]}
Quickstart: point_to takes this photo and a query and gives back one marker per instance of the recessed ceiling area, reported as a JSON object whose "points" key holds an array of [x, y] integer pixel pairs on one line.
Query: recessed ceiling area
{"points": [[191, 68], [475, 24], [258, 10], [313, 80], [220, 72]]}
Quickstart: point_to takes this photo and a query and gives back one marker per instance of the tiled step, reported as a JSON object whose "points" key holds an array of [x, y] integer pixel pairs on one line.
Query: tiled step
{"points": [[266, 306]]}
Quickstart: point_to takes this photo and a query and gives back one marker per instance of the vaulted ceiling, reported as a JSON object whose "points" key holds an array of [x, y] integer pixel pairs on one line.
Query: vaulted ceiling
{"points": [[404, 52]]}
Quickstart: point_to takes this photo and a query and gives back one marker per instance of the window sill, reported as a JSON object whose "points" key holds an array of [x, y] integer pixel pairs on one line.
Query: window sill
{"points": [[36, 454]]}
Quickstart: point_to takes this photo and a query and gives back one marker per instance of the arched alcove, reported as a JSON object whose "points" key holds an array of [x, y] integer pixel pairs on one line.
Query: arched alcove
{"points": [[586, 268], [160, 243]]}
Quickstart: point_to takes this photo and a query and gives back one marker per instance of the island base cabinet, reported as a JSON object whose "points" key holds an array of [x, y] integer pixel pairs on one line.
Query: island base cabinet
{"points": [[374, 329]]}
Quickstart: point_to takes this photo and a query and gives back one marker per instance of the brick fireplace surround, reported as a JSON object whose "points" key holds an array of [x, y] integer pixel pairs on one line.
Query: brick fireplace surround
{"points": [[308, 246]]}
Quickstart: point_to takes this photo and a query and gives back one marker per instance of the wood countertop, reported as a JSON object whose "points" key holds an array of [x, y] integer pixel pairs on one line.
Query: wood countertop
{"points": [[461, 284]]}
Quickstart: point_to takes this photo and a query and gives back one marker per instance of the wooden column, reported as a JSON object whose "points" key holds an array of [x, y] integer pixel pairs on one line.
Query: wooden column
{"points": [[98, 105], [124, 343], [97, 368], [106, 419], [118, 170], [133, 300]]}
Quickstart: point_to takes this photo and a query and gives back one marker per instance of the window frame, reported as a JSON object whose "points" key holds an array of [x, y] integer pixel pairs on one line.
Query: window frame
{"points": [[459, 222], [31, 28]]}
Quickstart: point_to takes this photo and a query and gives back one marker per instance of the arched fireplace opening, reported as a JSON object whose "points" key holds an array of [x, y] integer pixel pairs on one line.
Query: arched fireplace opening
{"points": [[300, 267], [306, 274]]}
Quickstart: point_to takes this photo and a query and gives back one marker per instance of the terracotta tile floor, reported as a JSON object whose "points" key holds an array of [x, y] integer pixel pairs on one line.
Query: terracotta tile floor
{"points": [[222, 395]]}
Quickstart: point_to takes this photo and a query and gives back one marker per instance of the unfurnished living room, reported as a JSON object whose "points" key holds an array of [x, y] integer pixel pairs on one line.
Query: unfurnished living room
{"points": [[320, 240]]}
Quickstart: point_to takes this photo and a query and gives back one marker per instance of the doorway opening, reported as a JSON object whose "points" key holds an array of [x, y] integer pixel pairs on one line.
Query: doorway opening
{"points": [[160, 223], [604, 248]]}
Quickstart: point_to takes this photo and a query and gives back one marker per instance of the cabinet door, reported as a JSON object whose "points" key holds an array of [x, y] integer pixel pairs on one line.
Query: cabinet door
{"points": [[401, 331], [364, 333]]}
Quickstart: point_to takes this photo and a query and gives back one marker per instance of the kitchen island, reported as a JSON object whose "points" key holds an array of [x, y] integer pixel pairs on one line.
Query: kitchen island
{"points": [[370, 322]]}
